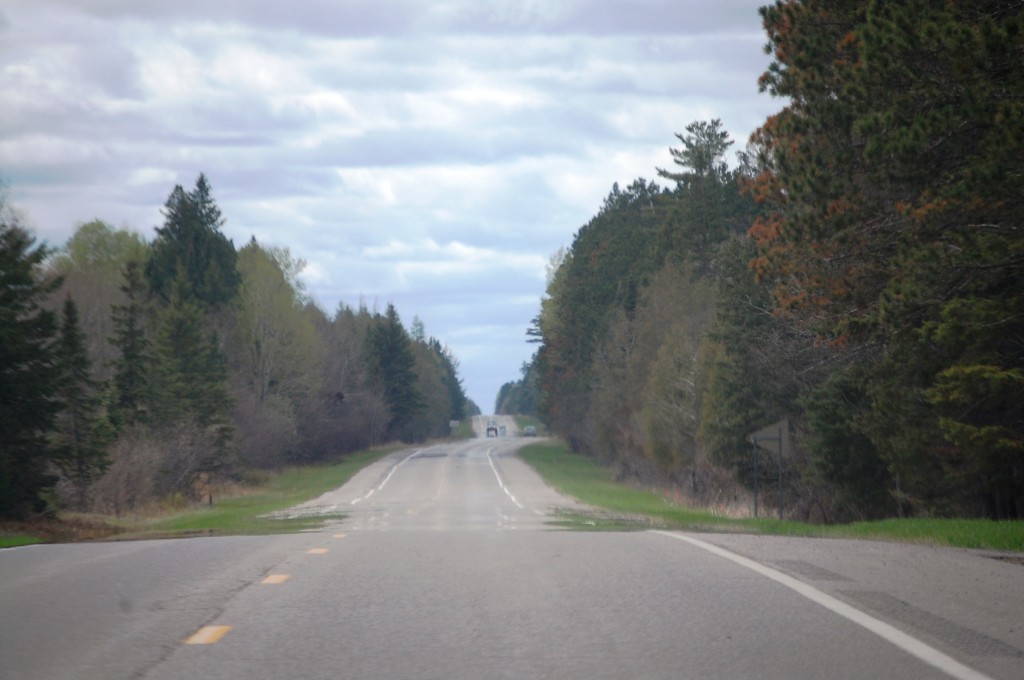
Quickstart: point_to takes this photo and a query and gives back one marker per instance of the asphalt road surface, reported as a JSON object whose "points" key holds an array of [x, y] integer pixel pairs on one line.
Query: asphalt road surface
{"points": [[444, 567]]}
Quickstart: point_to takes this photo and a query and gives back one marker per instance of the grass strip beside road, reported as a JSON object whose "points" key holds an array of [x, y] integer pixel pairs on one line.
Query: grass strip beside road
{"points": [[242, 510], [621, 506], [522, 422], [245, 513], [464, 429], [18, 540]]}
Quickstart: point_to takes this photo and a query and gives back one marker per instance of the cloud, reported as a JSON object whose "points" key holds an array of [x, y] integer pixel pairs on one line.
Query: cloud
{"points": [[431, 154]]}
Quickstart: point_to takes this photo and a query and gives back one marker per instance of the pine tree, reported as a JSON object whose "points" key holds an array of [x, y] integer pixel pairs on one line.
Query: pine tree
{"points": [[29, 372], [892, 220], [703, 209], [82, 431], [601, 276]]}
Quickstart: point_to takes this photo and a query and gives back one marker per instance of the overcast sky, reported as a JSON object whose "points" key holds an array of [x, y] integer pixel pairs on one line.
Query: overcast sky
{"points": [[429, 154]]}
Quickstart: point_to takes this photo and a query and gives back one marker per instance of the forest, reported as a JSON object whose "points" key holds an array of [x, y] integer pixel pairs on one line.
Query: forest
{"points": [[856, 273], [134, 371]]}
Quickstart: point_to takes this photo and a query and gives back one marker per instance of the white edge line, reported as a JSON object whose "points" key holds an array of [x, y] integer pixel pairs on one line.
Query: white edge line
{"points": [[911, 645], [388, 477], [501, 483], [400, 464]]}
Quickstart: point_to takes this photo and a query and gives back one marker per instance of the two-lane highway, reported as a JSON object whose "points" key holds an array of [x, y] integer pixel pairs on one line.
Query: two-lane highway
{"points": [[443, 567], [443, 487]]}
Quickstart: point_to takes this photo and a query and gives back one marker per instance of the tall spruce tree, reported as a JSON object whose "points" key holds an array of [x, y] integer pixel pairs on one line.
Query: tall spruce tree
{"points": [[191, 256], [29, 372], [392, 363], [450, 377], [131, 394], [191, 373], [82, 431]]}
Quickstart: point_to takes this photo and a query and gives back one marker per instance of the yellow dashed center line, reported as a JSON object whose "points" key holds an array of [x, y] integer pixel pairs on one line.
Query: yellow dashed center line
{"points": [[338, 536], [274, 579], [208, 635], [316, 551]]}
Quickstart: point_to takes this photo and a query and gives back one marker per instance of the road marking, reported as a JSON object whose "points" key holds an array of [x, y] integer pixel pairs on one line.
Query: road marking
{"points": [[208, 635], [501, 483], [274, 579], [388, 477], [316, 551], [338, 536], [911, 645], [403, 462]]}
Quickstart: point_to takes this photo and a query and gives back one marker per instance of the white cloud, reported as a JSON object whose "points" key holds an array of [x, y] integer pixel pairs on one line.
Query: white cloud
{"points": [[149, 175], [433, 154]]}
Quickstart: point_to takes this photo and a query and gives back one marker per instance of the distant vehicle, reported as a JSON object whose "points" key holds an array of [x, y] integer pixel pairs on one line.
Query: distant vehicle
{"points": [[492, 428], [502, 430], [529, 431]]}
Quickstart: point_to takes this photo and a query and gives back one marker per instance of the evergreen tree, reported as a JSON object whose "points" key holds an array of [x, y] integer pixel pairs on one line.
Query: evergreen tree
{"points": [[450, 378], [191, 370], [29, 372], [132, 368], [92, 263], [82, 430], [704, 207], [602, 274], [892, 220], [519, 397], [393, 365], [190, 398], [191, 257]]}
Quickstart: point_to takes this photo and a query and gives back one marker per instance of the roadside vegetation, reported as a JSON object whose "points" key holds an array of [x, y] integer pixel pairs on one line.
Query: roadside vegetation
{"points": [[15, 540], [138, 372], [854, 273], [624, 506], [523, 422], [849, 285], [242, 507], [464, 429], [246, 512]]}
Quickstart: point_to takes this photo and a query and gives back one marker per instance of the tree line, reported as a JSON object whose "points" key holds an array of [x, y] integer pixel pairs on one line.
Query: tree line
{"points": [[858, 271], [132, 371]]}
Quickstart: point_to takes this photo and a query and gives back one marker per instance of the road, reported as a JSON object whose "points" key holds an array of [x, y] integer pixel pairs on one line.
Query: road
{"points": [[508, 422], [444, 567]]}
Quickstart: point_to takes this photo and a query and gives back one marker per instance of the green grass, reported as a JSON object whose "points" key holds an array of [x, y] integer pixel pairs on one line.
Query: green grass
{"points": [[620, 506], [244, 513], [524, 421], [465, 429], [18, 539], [960, 533]]}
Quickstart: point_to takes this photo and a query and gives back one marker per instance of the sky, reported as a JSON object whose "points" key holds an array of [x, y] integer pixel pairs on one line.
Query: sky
{"points": [[429, 154]]}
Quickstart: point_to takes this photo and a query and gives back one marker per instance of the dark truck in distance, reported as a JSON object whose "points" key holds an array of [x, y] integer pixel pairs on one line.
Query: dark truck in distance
{"points": [[492, 428]]}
